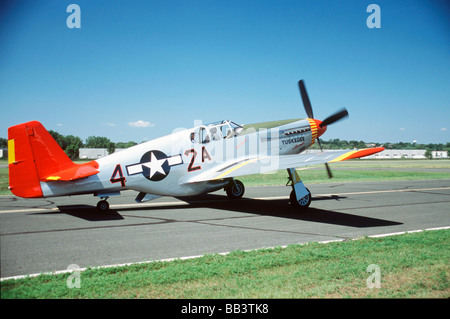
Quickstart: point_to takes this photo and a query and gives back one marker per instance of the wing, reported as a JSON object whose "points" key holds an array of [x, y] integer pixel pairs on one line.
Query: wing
{"points": [[265, 164]]}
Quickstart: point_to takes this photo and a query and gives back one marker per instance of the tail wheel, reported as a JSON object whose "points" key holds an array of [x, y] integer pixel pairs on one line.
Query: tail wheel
{"points": [[235, 189], [303, 203], [103, 205]]}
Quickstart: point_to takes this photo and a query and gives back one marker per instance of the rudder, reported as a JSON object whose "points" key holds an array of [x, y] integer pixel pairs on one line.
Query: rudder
{"points": [[23, 175]]}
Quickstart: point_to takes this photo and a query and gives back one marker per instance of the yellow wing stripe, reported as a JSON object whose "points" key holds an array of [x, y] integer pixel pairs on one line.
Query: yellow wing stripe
{"points": [[358, 154], [234, 168], [343, 157]]}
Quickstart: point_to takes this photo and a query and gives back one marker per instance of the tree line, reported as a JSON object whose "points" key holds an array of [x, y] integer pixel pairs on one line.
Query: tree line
{"points": [[72, 144]]}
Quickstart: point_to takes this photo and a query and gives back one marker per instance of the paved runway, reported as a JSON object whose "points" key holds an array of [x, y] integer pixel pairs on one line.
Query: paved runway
{"points": [[40, 235]]}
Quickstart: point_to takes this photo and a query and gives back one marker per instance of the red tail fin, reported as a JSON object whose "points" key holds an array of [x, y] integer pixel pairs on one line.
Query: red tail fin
{"points": [[34, 156]]}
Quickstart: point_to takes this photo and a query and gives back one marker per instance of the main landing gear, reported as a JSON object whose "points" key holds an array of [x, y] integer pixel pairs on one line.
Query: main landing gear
{"points": [[235, 189], [300, 196], [303, 203]]}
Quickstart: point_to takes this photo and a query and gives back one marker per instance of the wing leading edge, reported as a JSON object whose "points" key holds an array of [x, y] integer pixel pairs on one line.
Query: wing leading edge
{"points": [[265, 164]]}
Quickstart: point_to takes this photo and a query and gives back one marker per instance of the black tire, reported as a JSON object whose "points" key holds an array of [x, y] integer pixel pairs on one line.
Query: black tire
{"points": [[103, 206], [302, 203], [235, 189]]}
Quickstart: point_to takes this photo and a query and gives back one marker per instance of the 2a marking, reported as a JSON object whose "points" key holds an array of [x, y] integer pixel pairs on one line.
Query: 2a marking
{"points": [[205, 155], [117, 176], [191, 166]]}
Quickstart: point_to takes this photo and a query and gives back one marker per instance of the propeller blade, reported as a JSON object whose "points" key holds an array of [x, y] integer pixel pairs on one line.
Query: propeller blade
{"points": [[305, 99], [320, 145], [334, 118], [328, 171], [330, 175]]}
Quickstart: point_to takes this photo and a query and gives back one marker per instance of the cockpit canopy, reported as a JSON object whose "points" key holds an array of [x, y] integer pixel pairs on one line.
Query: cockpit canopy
{"points": [[215, 131]]}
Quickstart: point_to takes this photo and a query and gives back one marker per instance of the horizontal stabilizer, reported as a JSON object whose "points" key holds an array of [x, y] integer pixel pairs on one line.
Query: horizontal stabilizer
{"points": [[73, 172]]}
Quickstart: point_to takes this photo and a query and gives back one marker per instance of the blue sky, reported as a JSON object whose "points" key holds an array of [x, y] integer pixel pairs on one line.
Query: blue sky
{"points": [[137, 70]]}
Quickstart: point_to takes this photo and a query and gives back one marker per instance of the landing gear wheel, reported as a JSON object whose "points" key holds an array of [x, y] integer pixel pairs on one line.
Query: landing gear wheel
{"points": [[303, 203], [235, 189], [103, 206]]}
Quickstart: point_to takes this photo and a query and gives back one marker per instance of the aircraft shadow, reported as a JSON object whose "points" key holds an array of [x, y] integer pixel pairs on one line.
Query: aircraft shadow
{"points": [[281, 208], [275, 208], [89, 213]]}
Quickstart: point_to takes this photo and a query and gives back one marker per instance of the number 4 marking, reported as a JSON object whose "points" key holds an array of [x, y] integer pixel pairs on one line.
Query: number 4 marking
{"points": [[120, 178]]}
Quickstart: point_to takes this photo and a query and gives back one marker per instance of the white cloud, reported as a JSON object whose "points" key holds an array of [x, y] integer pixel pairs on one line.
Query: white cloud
{"points": [[59, 124], [402, 129], [141, 123], [443, 129], [111, 124]]}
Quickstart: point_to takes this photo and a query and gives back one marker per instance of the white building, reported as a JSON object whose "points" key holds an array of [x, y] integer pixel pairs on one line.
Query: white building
{"points": [[397, 154], [406, 154], [439, 154], [94, 153]]}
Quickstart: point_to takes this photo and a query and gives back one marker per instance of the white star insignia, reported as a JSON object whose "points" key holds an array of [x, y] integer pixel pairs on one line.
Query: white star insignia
{"points": [[155, 165]]}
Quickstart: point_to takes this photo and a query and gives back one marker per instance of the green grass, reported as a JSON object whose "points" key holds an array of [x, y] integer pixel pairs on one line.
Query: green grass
{"points": [[313, 176], [413, 265], [4, 181]]}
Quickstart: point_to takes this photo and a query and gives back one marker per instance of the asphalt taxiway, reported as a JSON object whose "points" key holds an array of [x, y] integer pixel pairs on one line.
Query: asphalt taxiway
{"points": [[44, 235]]}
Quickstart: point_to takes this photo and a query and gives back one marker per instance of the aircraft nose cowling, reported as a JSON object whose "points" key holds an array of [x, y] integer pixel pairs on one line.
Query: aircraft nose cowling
{"points": [[320, 130]]}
